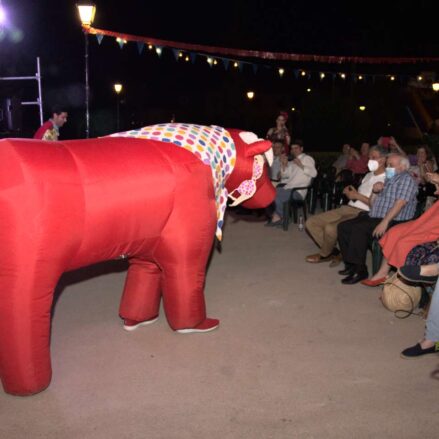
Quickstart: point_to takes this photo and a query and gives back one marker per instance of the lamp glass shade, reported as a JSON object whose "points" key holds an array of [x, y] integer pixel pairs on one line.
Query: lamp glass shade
{"points": [[117, 88], [86, 13], [435, 86]]}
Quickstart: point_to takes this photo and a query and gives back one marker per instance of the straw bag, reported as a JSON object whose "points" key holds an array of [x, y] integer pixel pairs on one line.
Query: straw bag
{"points": [[399, 296]]}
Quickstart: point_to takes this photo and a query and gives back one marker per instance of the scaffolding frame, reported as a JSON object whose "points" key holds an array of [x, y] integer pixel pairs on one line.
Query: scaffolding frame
{"points": [[36, 77]]}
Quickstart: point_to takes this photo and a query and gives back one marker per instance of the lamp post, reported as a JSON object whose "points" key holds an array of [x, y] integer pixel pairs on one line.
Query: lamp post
{"points": [[118, 90], [87, 13]]}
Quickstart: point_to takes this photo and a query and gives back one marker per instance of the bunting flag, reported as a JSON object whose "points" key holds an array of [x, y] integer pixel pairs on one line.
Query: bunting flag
{"points": [[140, 47], [176, 53], [180, 50], [273, 56]]}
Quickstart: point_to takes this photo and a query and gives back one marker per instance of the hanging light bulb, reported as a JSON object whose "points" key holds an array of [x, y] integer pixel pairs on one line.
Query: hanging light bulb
{"points": [[342, 75], [158, 50], [150, 46], [322, 75], [180, 54], [250, 95], [215, 62], [362, 107], [302, 73], [293, 108], [187, 58], [235, 64], [281, 72], [308, 90], [392, 78], [209, 61], [435, 86], [360, 77], [420, 78]]}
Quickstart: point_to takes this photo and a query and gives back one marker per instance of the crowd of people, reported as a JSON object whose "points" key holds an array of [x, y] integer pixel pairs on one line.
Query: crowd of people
{"points": [[384, 206]]}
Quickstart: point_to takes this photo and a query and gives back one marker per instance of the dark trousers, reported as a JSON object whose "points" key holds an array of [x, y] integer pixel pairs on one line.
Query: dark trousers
{"points": [[355, 236]]}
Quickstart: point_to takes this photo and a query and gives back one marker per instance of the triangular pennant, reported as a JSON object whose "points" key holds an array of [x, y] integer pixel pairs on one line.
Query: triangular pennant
{"points": [[99, 37], [226, 63], [140, 46], [176, 53], [255, 68], [193, 57]]}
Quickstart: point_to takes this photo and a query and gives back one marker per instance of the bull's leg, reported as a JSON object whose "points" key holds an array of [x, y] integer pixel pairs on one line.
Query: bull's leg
{"points": [[25, 315], [183, 254], [141, 297]]}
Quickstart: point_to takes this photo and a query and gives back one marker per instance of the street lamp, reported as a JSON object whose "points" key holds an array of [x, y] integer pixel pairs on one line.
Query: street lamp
{"points": [[87, 13], [118, 89]]}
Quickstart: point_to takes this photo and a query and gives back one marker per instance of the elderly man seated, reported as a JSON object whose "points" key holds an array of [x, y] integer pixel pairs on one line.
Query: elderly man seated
{"points": [[395, 202], [297, 173], [323, 226]]}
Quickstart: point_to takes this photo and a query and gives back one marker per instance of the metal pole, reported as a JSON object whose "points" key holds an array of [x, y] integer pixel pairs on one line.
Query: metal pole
{"points": [[118, 113], [87, 90], [40, 93]]}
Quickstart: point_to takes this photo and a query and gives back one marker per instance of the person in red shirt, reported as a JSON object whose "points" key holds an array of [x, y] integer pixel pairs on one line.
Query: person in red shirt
{"points": [[357, 162], [50, 129]]}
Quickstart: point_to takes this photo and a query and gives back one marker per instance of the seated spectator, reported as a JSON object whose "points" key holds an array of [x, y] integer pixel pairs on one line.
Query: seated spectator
{"points": [[280, 132], [395, 203], [357, 162], [297, 173], [425, 163], [323, 226], [430, 342], [342, 159], [399, 240], [278, 149]]}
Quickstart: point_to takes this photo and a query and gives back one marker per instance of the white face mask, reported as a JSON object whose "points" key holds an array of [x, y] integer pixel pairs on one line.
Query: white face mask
{"points": [[373, 165]]}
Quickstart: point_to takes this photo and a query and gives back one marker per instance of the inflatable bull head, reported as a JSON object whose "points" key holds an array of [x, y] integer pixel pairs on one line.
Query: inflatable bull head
{"points": [[153, 195]]}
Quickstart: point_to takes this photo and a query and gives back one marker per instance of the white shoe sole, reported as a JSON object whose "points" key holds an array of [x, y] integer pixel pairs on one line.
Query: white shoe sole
{"points": [[195, 330], [145, 323]]}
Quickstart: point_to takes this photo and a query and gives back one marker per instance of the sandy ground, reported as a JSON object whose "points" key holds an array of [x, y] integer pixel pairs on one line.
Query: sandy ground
{"points": [[298, 355]]}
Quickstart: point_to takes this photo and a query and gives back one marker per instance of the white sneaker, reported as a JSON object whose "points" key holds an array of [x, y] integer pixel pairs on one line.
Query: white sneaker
{"points": [[132, 325]]}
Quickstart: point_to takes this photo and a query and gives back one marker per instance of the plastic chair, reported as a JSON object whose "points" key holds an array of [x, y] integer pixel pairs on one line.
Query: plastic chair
{"points": [[291, 206]]}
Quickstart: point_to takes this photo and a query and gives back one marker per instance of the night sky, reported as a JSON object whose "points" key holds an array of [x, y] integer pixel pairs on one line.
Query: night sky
{"points": [[156, 88]]}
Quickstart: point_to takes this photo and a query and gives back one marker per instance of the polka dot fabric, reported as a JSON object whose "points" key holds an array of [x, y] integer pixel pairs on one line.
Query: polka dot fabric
{"points": [[212, 145]]}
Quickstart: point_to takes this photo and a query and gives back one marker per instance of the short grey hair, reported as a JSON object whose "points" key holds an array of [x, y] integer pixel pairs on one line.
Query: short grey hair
{"points": [[383, 152], [403, 160]]}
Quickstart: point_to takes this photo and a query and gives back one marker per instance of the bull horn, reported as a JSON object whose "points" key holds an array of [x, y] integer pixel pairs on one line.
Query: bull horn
{"points": [[269, 156]]}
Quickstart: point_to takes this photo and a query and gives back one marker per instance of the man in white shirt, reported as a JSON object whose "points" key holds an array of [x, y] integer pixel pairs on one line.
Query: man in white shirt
{"points": [[297, 173], [323, 227]]}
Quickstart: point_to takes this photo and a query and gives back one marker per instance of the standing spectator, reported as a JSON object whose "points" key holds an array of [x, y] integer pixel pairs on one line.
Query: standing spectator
{"points": [[430, 342], [342, 159], [357, 162], [395, 203], [280, 132], [50, 129], [297, 173]]}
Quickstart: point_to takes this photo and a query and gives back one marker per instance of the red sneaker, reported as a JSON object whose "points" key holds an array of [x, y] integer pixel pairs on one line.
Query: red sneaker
{"points": [[205, 326], [132, 325]]}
